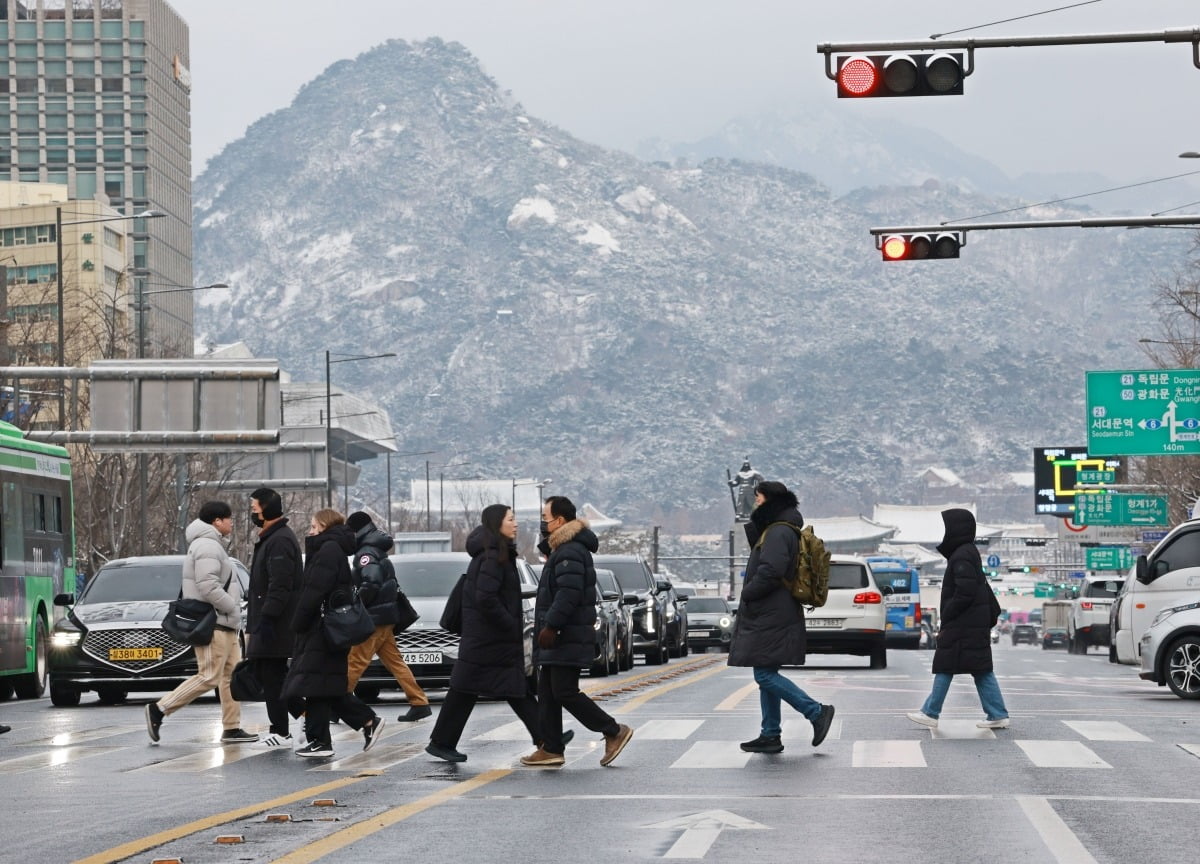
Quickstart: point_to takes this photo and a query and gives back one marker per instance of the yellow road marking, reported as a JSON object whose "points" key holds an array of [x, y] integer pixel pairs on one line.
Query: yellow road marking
{"points": [[133, 847], [341, 839], [639, 701], [734, 698]]}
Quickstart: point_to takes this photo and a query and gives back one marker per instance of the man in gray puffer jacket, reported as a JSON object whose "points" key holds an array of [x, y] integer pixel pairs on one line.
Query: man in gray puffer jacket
{"points": [[208, 576]]}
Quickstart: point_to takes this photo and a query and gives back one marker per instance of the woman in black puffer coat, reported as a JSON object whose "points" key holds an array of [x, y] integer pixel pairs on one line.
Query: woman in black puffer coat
{"points": [[318, 670], [969, 610], [491, 653]]}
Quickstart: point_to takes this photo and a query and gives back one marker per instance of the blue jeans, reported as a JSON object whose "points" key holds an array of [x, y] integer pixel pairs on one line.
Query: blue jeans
{"points": [[986, 686], [774, 688]]}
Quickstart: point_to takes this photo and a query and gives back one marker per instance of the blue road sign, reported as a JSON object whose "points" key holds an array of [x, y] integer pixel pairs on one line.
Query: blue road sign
{"points": [[993, 560]]}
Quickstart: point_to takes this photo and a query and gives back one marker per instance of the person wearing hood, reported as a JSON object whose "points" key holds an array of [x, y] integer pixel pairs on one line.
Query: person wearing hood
{"points": [[318, 670], [377, 585], [564, 621], [769, 627], [208, 576], [969, 609], [491, 653]]}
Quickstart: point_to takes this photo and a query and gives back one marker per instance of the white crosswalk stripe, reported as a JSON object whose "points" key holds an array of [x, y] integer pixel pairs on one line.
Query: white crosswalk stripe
{"points": [[713, 754], [667, 730], [1061, 754], [50, 758], [888, 754], [1104, 730]]}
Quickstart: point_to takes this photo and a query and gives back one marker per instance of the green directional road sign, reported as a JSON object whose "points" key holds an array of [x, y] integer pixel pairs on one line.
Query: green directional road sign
{"points": [[1082, 476], [1111, 509], [1109, 558], [1143, 413]]}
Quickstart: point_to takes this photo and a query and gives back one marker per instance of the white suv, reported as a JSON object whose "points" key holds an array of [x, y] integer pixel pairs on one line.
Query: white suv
{"points": [[1088, 622], [1170, 650], [854, 618]]}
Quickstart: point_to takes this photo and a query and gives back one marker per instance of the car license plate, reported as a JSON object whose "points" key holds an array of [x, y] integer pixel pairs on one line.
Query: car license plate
{"points": [[825, 622], [422, 657], [134, 653], [697, 632]]}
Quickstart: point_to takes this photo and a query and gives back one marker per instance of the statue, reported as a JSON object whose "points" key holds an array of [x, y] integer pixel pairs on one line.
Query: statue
{"points": [[743, 498]]}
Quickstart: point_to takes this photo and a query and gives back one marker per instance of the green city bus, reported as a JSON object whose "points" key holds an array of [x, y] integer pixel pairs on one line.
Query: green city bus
{"points": [[37, 555]]}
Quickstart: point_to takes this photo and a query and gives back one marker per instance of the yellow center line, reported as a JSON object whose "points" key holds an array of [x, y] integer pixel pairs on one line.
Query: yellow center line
{"points": [[359, 830], [734, 698], [639, 701], [133, 847]]}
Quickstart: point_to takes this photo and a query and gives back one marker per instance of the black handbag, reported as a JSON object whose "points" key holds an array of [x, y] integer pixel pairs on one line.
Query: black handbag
{"points": [[451, 620], [244, 685], [190, 621], [408, 615], [346, 621]]}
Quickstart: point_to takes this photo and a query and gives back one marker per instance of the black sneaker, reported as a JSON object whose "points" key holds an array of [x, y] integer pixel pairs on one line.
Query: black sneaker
{"points": [[415, 713], [447, 753], [237, 736], [763, 744], [154, 718], [821, 724], [4, 728], [315, 749], [371, 733]]}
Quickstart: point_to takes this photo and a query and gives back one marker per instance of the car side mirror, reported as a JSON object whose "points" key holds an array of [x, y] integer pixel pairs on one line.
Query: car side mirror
{"points": [[630, 600], [682, 598], [64, 599], [662, 585], [1143, 570], [609, 596]]}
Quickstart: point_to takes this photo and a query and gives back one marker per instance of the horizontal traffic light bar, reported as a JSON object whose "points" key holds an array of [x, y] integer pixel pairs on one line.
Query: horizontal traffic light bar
{"points": [[920, 242], [935, 67]]}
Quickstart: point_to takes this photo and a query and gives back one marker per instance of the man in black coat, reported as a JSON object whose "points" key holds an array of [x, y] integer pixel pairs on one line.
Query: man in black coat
{"points": [[969, 610], [275, 570], [377, 585], [769, 628], [564, 619]]}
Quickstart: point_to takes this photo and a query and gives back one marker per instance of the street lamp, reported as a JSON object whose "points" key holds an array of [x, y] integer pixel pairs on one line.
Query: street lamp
{"points": [[142, 293], [442, 491], [62, 336], [340, 358], [389, 481], [540, 484]]}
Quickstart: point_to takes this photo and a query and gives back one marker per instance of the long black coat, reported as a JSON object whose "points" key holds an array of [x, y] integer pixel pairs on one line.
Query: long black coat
{"points": [[317, 668], [491, 654], [968, 605], [566, 597], [769, 627], [275, 570]]}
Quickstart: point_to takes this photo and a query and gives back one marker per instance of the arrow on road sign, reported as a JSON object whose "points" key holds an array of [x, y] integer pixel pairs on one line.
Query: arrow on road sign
{"points": [[700, 831]]}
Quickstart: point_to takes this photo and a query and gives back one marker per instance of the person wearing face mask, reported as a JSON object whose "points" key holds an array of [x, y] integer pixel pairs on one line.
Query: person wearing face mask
{"points": [[208, 576], [274, 582]]}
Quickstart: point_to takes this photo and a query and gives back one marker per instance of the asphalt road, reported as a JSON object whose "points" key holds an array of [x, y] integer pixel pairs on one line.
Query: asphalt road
{"points": [[1098, 766]]}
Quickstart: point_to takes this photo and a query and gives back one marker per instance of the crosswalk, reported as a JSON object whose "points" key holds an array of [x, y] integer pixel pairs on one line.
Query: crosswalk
{"points": [[698, 742]]}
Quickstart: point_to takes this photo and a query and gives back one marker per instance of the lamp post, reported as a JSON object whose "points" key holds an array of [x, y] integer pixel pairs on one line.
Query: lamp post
{"points": [[62, 336], [330, 359], [142, 294], [540, 484], [442, 491]]}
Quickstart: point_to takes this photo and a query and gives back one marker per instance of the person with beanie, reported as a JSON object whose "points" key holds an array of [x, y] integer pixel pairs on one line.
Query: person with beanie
{"points": [[769, 628], [379, 590], [208, 576], [491, 653], [969, 610], [275, 570]]}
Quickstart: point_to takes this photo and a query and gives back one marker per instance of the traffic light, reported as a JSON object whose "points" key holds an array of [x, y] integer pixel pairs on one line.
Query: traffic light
{"points": [[918, 247], [871, 76]]}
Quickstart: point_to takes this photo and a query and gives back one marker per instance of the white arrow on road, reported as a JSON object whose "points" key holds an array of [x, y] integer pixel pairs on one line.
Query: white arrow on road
{"points": [[700, 831]]}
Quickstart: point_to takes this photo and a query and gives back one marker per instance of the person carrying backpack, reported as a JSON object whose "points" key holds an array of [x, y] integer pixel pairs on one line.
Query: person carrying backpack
{"points": [[769, 627]]}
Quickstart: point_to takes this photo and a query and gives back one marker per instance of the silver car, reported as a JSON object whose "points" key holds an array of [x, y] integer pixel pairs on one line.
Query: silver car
{"points": [[1171, 650]]}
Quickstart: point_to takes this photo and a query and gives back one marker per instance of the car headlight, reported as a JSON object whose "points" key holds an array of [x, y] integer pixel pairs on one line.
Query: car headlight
{"points": [[596, 624], [725, 622], [65, 639], [650, 618]]}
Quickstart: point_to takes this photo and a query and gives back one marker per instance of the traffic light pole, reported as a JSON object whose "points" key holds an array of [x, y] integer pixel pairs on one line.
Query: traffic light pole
{"points": [[1094, 222]]}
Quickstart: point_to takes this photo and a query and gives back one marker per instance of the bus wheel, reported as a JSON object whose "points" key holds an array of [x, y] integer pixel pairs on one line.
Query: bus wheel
{"points": [[33, 684], [64, 697]]}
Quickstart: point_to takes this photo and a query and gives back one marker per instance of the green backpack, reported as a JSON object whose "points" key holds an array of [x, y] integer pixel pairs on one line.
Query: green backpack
{"points": [[810, 583]]}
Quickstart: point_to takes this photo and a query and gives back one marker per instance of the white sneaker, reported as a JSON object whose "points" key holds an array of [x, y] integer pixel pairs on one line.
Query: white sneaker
{"points": [[922, 718], [274, 741], [1002, 723]]}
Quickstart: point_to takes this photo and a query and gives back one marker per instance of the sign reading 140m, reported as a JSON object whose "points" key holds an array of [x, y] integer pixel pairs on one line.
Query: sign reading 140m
{"points": [[1143, 413]]}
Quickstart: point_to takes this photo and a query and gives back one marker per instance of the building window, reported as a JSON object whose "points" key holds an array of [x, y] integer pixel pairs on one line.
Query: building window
{"points": [[85, 85], [139, 183], [83, 29], [114, 154], [83, 50], [139, 254], [27, 30], [112, 68], [56, 104], [112, 85], [112, 49], [84, 68], [27, 85], [114, 184], [54, 30], [114, 121], [110, 29], [112, 239], [27, 68], [137, 29], [56, 85], [85, 185], [85, 121], [54, 49], [56, 122], [137, 85], [137, 121]]}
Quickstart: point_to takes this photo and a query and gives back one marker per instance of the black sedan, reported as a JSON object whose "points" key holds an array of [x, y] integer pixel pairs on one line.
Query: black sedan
{"points": [[111, 640], [1054, 637]]}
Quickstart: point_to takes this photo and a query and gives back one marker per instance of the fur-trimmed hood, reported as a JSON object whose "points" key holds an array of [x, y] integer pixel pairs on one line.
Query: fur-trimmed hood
{"points": [[777, 508], [576, 529]]}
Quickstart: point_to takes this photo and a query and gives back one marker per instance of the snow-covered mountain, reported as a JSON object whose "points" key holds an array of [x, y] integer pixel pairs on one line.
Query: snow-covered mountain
{"points": [[630, 328]]}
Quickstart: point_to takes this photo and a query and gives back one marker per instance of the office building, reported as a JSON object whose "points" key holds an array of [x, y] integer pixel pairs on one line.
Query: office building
{"points": [[97, 97]]}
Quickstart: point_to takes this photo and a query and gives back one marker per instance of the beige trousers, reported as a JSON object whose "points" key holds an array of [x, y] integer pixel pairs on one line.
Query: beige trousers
{"points": [[215, 662]]}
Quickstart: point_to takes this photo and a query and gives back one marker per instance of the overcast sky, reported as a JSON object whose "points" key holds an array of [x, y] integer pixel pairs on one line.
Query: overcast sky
{"points": [[619, 71]]}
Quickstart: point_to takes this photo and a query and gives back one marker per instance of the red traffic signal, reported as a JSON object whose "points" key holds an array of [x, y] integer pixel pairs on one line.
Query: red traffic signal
{"points": [[918, 247], [868, 76]]}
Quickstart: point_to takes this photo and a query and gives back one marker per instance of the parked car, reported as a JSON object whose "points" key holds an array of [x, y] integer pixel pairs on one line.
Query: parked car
{"points": [[1054, 637], [609, 617], [1024, 633], [606, 581], [649, 609], [427, 578], [710, 623], [1088, 623], [1170, 650], [677, 620], [1168, 576], [685, 589], [111, 640], [854, 618]]}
